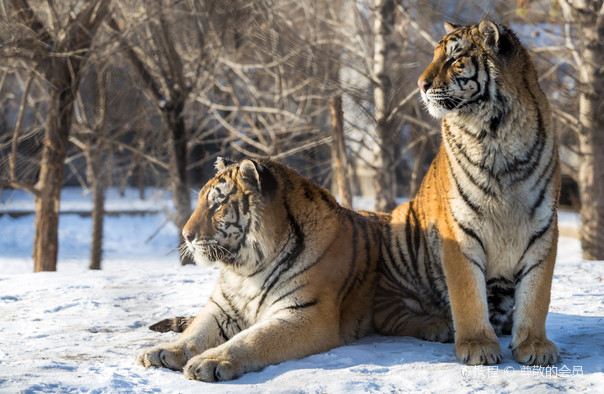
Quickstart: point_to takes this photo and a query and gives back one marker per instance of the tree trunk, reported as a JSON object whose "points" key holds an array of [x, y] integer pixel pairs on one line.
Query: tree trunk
{"points": [[383, 28], [52, 168], [139, 173], [178, 172], [340, 162], [97, 176], [591, 136], [98, 212]]}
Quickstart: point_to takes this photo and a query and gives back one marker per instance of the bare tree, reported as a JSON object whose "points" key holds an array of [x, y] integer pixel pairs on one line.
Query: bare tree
{"points": [[94, 145], [267, 85], [340, 160], [588, 15], [58, 49], [168, 79], [384, 46]]}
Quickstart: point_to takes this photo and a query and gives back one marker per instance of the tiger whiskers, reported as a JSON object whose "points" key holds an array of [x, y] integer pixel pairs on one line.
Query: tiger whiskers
{"points": [[185, 251], [208, 250], [220, 253]]}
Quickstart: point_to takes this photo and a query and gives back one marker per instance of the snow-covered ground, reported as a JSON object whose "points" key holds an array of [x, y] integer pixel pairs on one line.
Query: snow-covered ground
{"points": [[77, 330]]}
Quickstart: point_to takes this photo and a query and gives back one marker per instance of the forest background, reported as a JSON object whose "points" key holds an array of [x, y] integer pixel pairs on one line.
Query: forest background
{"points": [[147, 93]]}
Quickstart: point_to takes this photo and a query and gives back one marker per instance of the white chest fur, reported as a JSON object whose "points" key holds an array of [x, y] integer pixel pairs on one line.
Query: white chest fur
{"points": [[503, 189]]}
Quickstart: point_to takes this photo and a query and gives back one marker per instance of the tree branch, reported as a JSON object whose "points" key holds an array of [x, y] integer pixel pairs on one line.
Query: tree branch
{"points": [[15, 145], [148, 80], [15, 184], [28, 17]]}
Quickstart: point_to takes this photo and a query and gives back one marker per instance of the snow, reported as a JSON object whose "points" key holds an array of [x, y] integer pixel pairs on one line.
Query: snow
{"points": [[77, 330]]}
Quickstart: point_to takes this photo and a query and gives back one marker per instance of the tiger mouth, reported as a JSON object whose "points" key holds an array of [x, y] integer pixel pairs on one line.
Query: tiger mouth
{"points": [[205, 245], [210, 250], [443, 101]]}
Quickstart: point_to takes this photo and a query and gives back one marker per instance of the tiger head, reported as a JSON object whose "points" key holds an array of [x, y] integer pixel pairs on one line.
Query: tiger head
{"points": [[227, 224], [468, 62]]}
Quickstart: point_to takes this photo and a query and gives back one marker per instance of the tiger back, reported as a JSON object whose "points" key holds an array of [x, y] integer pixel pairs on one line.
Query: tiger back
{"points": [[298, 273], [472, 255]]}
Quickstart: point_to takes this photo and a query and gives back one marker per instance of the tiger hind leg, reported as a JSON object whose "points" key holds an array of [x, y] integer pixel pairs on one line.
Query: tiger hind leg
{"points": [[501, 304], [426, 327]]}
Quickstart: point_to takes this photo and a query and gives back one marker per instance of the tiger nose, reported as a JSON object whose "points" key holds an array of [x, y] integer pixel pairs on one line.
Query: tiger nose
{"points": [[424, 84], [188, 236]]}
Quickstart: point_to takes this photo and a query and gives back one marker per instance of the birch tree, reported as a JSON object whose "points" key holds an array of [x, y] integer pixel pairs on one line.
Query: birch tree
{"points": [[384, 46], [588, 16]]}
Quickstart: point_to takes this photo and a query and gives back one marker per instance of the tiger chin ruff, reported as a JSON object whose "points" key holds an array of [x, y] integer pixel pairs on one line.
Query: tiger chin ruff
{"points": [[298, 273], [478, 243]]}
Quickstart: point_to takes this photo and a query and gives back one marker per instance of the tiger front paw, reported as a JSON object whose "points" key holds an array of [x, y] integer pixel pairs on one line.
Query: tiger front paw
{"points": [[211, 369], [481, 351], [165, 356], [536, 352]]}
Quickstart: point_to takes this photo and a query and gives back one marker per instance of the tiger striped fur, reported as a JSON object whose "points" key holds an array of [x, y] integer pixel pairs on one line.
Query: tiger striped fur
{"points": [[298, 273], [476, 247]]}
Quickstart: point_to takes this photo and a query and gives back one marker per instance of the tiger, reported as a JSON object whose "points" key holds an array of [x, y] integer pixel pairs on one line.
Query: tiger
{"points": [[298, 273], [472, 255]]}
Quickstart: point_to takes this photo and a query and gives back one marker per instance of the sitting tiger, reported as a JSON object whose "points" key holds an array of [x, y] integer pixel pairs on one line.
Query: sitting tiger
{"points": [[476, 247], [298, 273]]}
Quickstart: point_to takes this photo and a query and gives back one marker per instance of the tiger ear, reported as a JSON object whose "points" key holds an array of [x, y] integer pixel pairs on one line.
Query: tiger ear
{"points": [[221, 164], [249, 175], [490, 33], [449, 27]]}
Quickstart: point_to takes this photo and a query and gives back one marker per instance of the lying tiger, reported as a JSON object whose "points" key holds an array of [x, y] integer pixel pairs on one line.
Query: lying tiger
{"points": [[298, 273], [477, 246]]}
